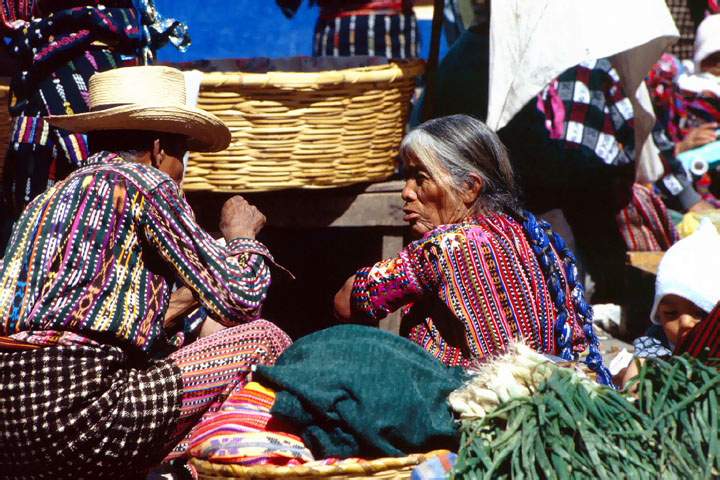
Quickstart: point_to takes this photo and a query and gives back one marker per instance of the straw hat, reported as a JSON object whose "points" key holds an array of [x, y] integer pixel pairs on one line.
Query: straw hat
{"points": [[146, 98]]}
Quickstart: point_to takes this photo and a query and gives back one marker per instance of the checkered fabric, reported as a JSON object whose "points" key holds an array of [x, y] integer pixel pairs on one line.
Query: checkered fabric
{"points": [[80, 412], [683, 20], [586, 108]]}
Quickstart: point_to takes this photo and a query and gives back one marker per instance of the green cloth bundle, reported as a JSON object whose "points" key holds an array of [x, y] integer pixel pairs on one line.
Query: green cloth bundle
{"points": [[355, 391]]}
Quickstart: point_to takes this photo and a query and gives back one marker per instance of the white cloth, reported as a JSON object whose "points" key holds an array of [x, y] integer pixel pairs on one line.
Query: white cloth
{"points": [[649, 167], [690, 270], [533, 41], [699, 83], [707, 39]]}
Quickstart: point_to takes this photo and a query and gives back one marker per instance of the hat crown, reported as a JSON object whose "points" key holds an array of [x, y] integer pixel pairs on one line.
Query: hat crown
{"points": [[144, 85]]}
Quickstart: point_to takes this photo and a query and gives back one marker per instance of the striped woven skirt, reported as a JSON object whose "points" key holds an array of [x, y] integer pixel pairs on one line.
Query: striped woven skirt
{"points": [[391, 35]]}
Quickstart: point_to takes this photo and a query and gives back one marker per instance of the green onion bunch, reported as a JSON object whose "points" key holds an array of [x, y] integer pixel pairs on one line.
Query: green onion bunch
{"points": [[570, 429]]}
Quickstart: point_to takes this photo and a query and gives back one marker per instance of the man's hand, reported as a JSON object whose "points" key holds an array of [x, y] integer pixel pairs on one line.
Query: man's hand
{"points": [[697, 137], [240, 219]]}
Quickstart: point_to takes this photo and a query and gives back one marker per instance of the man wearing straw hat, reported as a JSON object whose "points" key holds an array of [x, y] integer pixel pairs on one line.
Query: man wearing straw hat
{"points": [[86, 386]]}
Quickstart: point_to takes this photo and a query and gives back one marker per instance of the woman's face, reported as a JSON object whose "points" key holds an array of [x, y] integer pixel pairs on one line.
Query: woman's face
{"points": [[428, 204], [678, 316]]}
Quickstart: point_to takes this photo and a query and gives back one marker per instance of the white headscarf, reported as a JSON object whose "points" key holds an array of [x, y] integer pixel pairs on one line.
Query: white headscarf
{"points": [[533, 41], [707, 40], [691, 269]]}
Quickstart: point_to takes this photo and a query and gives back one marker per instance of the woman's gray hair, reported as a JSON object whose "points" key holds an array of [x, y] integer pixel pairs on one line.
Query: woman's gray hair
{"points": [[454, 147]]}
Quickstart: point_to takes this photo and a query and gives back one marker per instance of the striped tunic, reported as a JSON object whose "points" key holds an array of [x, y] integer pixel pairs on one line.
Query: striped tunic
{"points": [[96, 255], [469, 289]]}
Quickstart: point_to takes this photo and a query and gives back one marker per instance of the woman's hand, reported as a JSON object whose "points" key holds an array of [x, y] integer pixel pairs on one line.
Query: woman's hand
{"points": [[697, 137], [343, 308], [240, 219]]}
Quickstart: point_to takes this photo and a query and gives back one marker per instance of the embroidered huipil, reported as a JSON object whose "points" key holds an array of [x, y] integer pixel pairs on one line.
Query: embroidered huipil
{"points": [[468, 288], [97, 254]]}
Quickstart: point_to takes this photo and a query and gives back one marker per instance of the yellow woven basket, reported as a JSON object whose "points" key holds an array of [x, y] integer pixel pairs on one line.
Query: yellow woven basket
{"points": [[398, 468], [305, 130], [5, 123]]}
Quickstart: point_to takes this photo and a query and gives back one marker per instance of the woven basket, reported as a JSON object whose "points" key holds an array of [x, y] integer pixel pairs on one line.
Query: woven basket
{"points": [[5, 122], [398, 468], [305, 130]]}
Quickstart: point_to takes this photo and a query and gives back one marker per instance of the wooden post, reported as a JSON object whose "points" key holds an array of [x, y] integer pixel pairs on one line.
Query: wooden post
{"points": [[391, 245]]}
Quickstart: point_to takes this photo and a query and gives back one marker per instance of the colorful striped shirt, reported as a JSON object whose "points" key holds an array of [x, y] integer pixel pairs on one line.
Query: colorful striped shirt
{"points": [[97, 254], [469, 289]]}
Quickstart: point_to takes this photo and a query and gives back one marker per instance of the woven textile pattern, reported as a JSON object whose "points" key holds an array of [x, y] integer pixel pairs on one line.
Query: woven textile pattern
{"points": [[243, 432], [679, 110], [214, 366], [703, 341], [645, 224], [79, 412], [79, 260], [587, 108], [393, 35], [470, 288]]}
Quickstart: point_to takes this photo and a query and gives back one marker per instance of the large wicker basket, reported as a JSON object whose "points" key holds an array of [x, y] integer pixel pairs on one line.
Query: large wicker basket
{"points": [[399, 468], [5, 122], [305, 130]]}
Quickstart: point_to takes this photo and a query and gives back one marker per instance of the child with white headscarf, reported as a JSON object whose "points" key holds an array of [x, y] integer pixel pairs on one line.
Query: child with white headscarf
{"points": [[686, 290]]}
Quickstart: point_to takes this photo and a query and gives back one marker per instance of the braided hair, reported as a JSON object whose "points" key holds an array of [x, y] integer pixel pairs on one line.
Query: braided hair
{"points": [[545, 243], [456, 147]]}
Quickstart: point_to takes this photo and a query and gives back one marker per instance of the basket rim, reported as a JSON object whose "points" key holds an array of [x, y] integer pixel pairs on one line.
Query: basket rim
{"points": [[205, 467], [393, 71]]}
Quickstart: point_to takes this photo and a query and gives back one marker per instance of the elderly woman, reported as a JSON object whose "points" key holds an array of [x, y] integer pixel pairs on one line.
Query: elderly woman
{"points": [[483, 272]]}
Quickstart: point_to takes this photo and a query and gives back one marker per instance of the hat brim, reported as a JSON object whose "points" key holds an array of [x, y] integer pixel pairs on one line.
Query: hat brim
{"points": [[205, 132]]}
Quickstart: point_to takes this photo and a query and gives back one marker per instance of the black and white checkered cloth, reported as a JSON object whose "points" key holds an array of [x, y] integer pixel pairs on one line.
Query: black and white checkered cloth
{"points": [[82, 412], [682, 15]]}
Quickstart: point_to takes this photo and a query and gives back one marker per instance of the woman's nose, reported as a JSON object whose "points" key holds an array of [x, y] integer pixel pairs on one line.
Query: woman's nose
{"points": [[408, 192]]}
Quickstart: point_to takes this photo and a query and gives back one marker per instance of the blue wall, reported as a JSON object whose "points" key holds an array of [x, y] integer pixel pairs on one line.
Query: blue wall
{"points": [[246, 28]]}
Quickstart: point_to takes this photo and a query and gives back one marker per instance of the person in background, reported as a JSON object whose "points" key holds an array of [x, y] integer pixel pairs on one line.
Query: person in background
{"points": [[688, 109], [483, 271], [385, 28], [687, 15], [94, 380], [58, 46], [685, 293]]}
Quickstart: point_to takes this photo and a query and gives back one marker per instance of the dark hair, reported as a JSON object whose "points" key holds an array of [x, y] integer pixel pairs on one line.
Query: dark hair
{"points": [[135, 141], [453, 147]]}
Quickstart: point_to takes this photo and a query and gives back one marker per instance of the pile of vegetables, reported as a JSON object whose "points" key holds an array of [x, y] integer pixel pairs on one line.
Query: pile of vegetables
{"points": [[567, 426]]}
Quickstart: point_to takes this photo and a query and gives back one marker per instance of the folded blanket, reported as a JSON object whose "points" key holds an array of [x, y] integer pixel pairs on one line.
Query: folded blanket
{"points": [[244, 432], [359, 391]]}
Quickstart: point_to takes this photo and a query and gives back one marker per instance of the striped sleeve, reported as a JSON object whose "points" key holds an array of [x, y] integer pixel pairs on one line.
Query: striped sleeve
{"points": [[230, 281], [393, 283]]}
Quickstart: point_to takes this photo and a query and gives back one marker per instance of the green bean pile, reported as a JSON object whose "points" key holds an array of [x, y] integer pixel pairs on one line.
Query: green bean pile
{"points": [[572, 429]]}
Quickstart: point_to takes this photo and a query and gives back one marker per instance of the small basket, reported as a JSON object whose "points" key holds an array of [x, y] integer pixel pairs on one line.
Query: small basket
{"points": [[306, 129], [5, 122], [396, 468]]}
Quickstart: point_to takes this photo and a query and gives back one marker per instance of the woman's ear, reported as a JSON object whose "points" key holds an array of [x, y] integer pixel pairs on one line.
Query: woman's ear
{"points": [[474, 185]]}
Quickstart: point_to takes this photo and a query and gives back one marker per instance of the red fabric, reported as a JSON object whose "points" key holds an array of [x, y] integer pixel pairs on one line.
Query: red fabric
{"points": [[704, 339], [645, 224]]}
